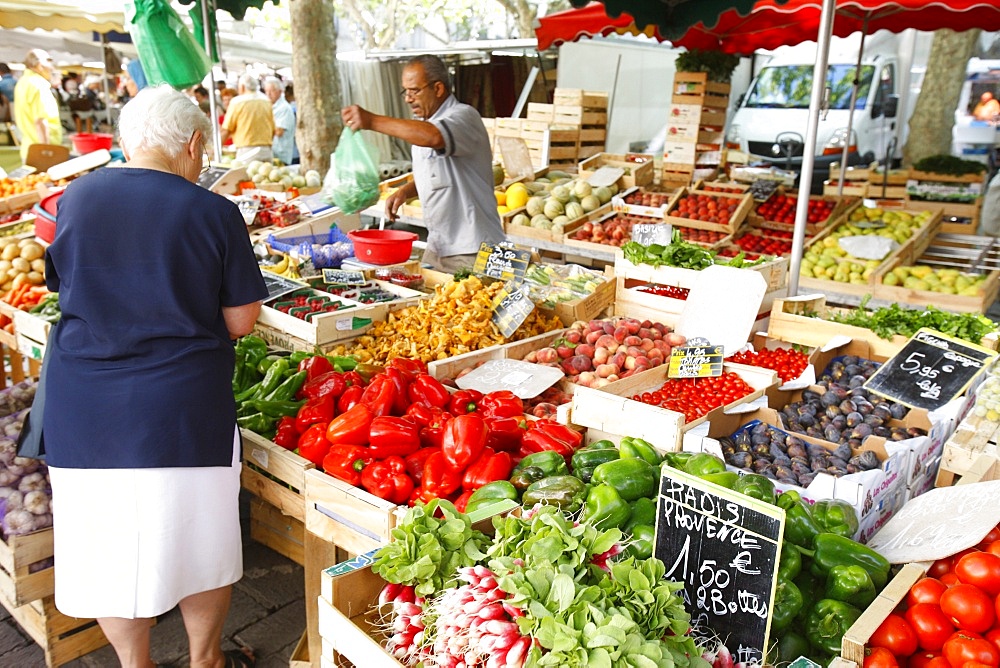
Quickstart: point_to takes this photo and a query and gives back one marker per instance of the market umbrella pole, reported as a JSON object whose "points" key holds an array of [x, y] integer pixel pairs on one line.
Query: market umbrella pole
{"points": [[850, 112], [809, 150], [213, 112]]}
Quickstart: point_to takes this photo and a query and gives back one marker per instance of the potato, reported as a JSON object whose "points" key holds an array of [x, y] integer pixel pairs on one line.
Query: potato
{"points": [[32, 251], [21, 265], [7, 241], [6, 286], [19, 280], [12, 273], [4, 266], [10, 252], [36, 265], [35, 278]]}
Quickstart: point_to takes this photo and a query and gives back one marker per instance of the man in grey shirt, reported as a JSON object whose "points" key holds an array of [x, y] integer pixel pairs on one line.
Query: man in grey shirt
{"points": [[452, 165]]}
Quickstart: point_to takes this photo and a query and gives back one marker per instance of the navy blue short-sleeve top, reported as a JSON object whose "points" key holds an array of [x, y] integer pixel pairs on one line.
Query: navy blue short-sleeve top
{"points": [[140, 373]]}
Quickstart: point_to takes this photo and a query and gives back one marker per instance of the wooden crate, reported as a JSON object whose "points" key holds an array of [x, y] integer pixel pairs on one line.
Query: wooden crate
{"points": [[300, 655], [572, 115], [695, 88], [19, 202], [957, 218], [280, 532], [17, 583], [576, 97], [980, 303], [638, 167], [347, 516], [789, 324], [878, 191], [851, 188], [843, 206], [61, 638], [774, 272], [329, 327], [855, 173], [540, 112], [735, 220], [274, 474], [589, 307], [974, 439], [917, 175]]}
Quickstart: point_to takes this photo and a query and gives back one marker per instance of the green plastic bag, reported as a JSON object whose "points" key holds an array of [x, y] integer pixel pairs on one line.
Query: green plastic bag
{"points": [[352, 182], [167, 49]]}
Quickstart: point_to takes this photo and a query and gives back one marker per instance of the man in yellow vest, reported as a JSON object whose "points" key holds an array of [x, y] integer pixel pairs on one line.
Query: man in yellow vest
{"points": [[36, 110]]}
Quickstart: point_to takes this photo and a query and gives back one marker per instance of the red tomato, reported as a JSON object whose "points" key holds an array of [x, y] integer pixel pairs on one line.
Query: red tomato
{"points": [[994, 547], [968, 608], [896, 635], [879, 657], [950, 579], [965, 646], [981, 569], [993, 535], [930, 624], [928, 590], [927, 660], [940, 567], [993, 635]]}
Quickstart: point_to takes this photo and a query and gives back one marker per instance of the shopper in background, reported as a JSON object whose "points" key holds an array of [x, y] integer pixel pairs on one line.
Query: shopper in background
{"points": [[452, 165], [988, 108], [140, 422], [250, 122], [201, 98], [7, 82], [36, 110], [283, 145]]}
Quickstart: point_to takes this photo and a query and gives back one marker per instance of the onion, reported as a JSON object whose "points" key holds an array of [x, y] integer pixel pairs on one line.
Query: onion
{"points": [[18, 522], [29, 464], [33, 481], [8, 479], [37, 502]]}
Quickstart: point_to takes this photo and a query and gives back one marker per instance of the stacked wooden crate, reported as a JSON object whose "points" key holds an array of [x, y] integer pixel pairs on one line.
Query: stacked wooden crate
{"points": [[959, 196], [693, 146], [551, 145], [587, 112]]}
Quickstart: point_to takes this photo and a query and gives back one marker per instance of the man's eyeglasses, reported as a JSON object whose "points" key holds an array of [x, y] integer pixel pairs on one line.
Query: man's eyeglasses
{"points": [[413, 92], [206, 161]]}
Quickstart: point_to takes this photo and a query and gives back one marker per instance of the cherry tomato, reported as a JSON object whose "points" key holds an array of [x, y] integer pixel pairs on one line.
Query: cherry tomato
{"points": [[981, 569], [993, 535], [940, 567], [879, 657], [927, 660], [930, 624], [928, 590], [964, 646], [968, 607], [896, 635]]}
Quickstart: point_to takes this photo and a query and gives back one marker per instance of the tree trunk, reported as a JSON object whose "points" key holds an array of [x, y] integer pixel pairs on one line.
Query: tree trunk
{"points": [[317, 85], [524, 15], [934, 114]]}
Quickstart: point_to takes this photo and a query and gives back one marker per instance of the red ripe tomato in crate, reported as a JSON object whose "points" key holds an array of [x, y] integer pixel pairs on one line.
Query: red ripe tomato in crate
{"points": [[755, 242], [781, 209], [706, 208]]}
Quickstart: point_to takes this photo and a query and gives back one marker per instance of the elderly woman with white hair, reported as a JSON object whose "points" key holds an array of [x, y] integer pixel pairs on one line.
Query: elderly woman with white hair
{"points": [[156, 277]]}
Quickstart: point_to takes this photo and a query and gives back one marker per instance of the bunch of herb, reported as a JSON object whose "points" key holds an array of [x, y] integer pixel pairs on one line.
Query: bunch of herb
{"points": [[427, 551], [683, 254], [888, 321]]}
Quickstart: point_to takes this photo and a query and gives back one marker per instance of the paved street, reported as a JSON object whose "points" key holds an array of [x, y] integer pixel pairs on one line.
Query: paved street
{"points": [[267, 615]]}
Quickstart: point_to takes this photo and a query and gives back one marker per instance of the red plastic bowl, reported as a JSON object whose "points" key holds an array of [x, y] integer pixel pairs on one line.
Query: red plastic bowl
{"points": [[86, 142], [382, 246]]}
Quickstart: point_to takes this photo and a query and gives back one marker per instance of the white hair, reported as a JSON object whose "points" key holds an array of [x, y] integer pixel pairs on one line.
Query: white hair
{"points": [[250, 82], [160, 118], [275, 83]]}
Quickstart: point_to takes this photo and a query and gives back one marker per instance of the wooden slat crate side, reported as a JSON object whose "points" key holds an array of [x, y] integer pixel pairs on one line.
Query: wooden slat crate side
{"points": [[347, 516], [283, 464], [61, 638], [291, 502], [282, 533], [856, 637]]}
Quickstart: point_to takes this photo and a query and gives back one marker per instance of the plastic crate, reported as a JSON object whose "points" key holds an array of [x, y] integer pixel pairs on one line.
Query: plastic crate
{"points": [[315, 246]]}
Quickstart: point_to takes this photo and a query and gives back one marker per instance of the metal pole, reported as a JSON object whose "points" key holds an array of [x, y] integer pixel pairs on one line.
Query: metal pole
{"points": [[107, 89], [213, 112], [809, 149], [850, 112]]}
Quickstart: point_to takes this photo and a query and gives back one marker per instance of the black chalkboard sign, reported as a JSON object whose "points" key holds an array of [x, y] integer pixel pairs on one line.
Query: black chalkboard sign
{"points": [[724, 548], [210, 176], [502, 261], [511, 308], [648, 234], [279, 285], [341, 277], [930, 370]]}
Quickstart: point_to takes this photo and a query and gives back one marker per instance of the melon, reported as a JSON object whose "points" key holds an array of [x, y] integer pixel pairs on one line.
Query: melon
{"points": [[520, 219], [541, 221], [312, 179], [517, 196], [603, 194], [590, 203], [535, 205], [553, 208], [574, 210], [560, 221], [582, 189], [562, 194]]}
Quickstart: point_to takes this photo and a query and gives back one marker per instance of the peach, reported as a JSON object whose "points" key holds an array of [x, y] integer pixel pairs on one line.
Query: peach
{"points": [[547, 356], [609, 328], [581, 363], [531, 357], [573, 336], [596, 325], [607, 341], [630, 362], [601, 355], [675, 339], [634, 351], [593, 336], [647, 345], [645, 333], [655, 354], [567, 366], [586, 378], [585, 349], [618, 359], [605, 370], [579, 325], [660, 327], [601, 382], [632, 340], [662, 345], [645, 324], [613, 377], [620, 333], [633, 325], [565, 352]]}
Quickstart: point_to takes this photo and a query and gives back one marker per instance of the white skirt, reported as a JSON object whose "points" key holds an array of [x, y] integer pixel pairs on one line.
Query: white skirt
{"points": [[132, 543]]}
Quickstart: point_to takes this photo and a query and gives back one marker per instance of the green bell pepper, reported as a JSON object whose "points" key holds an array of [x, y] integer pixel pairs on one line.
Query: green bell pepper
{"points": [[836, 516], [643, 512], [297, 356], [525, 477], [551, 463], [757, 487], [725, 479], [498, 490], [631, 478], [800, 526], [790, 562], [678, 459], [586, 459], [564, 491], [643, 540], [265, 362], [791, 646], [637, 448], [605, 508], [276, 408], [827, 622], [850, 584], [788, 602], [833, 550], [702, 463], [255, 348]]}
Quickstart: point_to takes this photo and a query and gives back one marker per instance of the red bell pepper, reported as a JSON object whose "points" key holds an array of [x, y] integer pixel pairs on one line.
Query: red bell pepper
{"points": [[489, 467], [440, 480], [287, 435], [331, 383], [501, 403], [346, 462], [550, 435], [350, 397], [424, 415], [411, 368], [462, 501], [464, 401], [387, 480], [354, 378], [313, 444], [415, 462], [318, 409], [380, 395], [505, 433], [427, 389], [393, 436], [315, 366], [560, 431], [401, 383], [351, 427], [464, 440]]}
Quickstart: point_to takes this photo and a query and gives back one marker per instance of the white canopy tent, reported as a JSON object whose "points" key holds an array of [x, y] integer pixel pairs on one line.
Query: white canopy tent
{"points": [[96, 15]]}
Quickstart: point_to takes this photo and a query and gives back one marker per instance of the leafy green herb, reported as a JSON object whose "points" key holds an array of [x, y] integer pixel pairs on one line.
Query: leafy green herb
{"points": [[462, 274], [949, 164], [717, 64], [889, 321], [683, 254]]}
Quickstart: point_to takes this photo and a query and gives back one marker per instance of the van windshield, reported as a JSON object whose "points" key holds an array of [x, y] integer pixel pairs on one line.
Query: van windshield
{"points": [[789, 87]]}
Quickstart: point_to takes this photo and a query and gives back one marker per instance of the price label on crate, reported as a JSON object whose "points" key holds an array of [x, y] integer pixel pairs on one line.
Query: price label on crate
{"points": [[248, 208], [652, 233], [502, 261], [511, 308], [930, 370], [341, 277], [695, 362], [279, 285]]}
